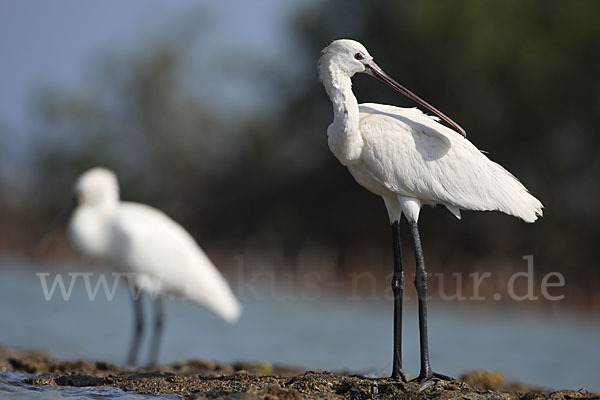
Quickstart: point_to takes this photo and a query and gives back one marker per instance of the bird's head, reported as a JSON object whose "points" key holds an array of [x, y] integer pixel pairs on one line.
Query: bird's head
{"points": [[349, 57], [96, 187]]}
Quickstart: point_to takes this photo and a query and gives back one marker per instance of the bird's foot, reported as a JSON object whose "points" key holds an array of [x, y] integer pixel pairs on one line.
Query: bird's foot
{"points": [[398, 375], [431, 376]]}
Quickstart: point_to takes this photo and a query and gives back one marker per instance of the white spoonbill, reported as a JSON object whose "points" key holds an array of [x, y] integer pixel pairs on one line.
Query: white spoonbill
{"points": [[138, 239], [410, 159]]}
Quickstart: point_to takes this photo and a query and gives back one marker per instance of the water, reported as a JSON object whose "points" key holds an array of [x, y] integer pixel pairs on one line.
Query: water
{"points": [[12, 387], [557, 349]]}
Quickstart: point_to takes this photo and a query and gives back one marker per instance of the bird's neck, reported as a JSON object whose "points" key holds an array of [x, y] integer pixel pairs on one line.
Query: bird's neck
{"points": [[344, 138], [89, 229]]}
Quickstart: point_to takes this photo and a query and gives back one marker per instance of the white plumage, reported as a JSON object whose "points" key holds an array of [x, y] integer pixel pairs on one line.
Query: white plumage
{"points": [[140, 239], [410, 159], [417, 157]]}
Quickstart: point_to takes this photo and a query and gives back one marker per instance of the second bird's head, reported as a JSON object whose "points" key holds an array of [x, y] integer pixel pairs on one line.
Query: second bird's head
{"points": [[96, 187]]}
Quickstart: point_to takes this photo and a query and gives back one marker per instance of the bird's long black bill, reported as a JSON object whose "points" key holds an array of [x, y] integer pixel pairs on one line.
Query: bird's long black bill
{"points": [[376, 72], [59, 222]]}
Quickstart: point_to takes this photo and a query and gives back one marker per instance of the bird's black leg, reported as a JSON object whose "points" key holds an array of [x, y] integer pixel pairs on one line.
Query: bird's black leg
{"points": [[158, 328], [138, 327], [398, 290], [421, 285]]}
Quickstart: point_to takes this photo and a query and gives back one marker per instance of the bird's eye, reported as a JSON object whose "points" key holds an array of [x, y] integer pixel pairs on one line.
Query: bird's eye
{"points": [[359, 56]]}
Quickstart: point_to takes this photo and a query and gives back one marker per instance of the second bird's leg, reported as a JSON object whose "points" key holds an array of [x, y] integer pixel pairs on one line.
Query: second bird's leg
{"points": [[158, 328], [398, 290], [421, 285], [138, 327]]}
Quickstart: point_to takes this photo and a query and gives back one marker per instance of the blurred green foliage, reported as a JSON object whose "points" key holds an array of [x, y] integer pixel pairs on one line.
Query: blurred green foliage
{"points": [[520, 76]]}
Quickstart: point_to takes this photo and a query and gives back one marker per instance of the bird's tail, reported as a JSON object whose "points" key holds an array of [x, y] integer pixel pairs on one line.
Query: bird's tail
{"points": [[210, 289], [219, 299], [513, 198], [528, 210], [228, 307]]}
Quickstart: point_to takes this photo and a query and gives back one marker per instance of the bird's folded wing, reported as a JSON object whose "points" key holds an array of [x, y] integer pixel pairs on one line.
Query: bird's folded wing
{"points": [[415, 156], [155, 246]]}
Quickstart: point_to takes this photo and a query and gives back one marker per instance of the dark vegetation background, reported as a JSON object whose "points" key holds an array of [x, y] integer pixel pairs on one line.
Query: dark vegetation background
{"points": [[520, 76]]}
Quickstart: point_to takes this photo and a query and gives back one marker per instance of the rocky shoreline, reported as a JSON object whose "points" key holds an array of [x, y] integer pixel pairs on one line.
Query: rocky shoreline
{"points": [[198, 379]]}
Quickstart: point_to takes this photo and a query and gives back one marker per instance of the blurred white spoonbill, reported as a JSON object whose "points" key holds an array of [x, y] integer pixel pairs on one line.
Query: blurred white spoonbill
{"points": [[135, 238], [410, 159]]}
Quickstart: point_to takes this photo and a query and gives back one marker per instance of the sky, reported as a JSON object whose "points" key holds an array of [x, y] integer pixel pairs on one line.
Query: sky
{"points": [[53, 44]]}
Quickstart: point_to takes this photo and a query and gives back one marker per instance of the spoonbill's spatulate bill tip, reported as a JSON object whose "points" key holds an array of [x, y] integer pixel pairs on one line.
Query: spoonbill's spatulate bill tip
{"points": [[410, 160]]}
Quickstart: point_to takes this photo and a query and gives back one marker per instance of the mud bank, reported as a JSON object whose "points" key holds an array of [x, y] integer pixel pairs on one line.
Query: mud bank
{"points": [[197, 379]]}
